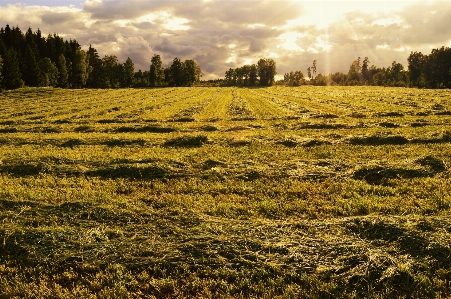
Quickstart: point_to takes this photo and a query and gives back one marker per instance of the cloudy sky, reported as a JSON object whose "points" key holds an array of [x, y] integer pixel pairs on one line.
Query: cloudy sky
{"points": [[220, 34]]}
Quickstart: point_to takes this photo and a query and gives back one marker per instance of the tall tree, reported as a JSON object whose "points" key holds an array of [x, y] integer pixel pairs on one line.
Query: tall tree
{"points": [[416, 62], [191, 72], [229, 77], [49, 72], [1, 74], [397, 72], [353, 77], [95, 76], [32, 75], [156, 73], [63, 78], [253, 75], [80, 69], [365, 71], [41, 44], [128, 72], [110, 72], [12, 76], [314, 69], [437, 68], [266, 68], [176, 70]]}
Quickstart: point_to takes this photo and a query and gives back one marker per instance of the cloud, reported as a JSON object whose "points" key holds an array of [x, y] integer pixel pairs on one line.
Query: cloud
{"points": [[221, 34]]}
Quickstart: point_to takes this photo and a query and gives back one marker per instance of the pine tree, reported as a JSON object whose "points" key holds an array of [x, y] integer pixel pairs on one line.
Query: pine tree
{"points": [[1, 74], [11, 71], [32, 76], [95, 76]]}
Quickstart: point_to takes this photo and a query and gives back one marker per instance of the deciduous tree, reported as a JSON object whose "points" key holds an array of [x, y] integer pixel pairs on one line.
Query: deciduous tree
{"points": [[49, 72], [156, 73], [63, 76], [128, 72], [266, 69]]}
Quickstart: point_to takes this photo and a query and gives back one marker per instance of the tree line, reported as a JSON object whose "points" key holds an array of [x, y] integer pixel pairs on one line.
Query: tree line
{"points": [[30, 59], [423, 71], [263, 73]]}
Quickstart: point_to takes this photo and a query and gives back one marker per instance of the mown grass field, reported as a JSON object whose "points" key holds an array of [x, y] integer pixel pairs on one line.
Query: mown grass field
{"points": [[309, 192]]}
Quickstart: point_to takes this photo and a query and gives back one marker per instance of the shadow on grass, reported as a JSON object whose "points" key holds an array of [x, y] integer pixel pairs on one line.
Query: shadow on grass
{"points": [[124, 142], [129, 172], [379, 140], [145, 129], [186, 141], [412, 241], [20, 170], [378, 174]]}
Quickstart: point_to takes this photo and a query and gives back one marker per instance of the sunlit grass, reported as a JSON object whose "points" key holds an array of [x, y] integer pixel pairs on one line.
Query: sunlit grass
{"points": [[276, 192]]}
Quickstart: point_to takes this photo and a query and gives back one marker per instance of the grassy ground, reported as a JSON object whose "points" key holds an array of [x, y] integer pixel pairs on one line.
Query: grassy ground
{"points": [[277, 192]]}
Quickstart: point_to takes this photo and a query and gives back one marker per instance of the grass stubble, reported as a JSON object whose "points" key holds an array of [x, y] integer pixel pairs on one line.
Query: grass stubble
{"points": [[282, 193]]}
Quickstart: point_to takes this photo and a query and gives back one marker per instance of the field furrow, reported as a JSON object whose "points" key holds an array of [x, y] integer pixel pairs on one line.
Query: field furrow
{"points": [[217, 109], [239, 108], [262, 107]]}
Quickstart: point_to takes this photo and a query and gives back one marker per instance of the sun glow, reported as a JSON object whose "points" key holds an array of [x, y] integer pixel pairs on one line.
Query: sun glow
{"points": [[289, 41], [322, 13]]}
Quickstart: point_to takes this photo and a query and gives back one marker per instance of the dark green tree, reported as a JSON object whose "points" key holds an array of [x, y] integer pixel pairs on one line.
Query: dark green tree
{"points": [[80, 69], [353, 77], [253, 75], [416, 61], [63, 77], [437, 68], [128, 73], [1, 74], [49, 72], [156, 73], [32, 75], [229, 77], [176, 71], [267, 71], [95, 76], [11, 71], [365, 72], [191, 72], [110, 78], [397, 74]]}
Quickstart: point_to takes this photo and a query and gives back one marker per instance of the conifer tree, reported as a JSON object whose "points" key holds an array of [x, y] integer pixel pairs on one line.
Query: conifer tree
{"points": [[32, 76], [11, 71], [1, 74], [95, 76]]}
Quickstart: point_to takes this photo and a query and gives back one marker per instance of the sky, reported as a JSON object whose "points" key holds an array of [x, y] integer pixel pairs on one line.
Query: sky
{"points": [[223, 34]]}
